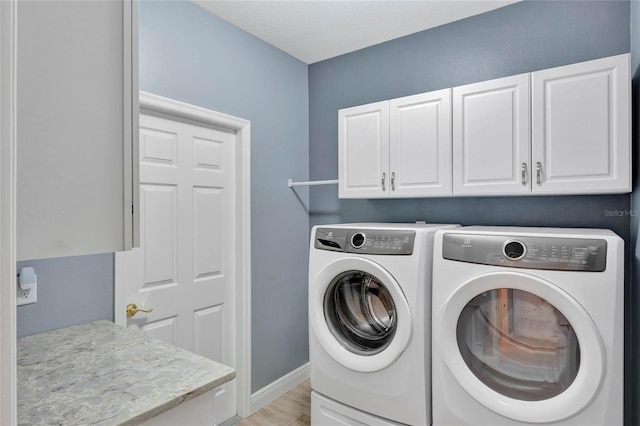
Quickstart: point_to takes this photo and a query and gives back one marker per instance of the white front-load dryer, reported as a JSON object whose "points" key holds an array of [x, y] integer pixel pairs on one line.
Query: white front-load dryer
{"points": [[528, 327], [369, 331]]}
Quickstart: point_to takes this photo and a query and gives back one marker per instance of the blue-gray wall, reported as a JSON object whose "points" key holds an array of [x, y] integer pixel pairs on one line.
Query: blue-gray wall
{"points": [[71, 291], [519, 38], [522, 37], [191, 55], [634, 248]]}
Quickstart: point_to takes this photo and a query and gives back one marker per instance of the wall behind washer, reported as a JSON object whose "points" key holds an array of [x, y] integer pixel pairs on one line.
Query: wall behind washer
{"points": [[518, 38], [522, 37], [188, 54], [634, 249]]}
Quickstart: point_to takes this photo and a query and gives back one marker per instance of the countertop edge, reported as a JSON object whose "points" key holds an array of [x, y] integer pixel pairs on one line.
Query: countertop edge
{"points": [[90, 373], [177, 401]]}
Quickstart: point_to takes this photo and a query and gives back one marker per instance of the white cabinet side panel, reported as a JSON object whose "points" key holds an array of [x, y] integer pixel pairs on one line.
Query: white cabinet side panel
{"points": [[70, 124]]}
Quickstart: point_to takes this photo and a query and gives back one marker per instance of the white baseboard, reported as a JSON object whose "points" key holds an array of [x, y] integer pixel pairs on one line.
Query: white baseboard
{"points": [[275, 390]]}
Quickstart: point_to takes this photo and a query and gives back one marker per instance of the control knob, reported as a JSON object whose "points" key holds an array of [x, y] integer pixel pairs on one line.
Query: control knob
{"points": [[358, 240], [514, 250]]}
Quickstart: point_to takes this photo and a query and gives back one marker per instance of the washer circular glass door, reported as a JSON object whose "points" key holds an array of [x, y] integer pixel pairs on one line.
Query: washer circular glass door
{"points": [[360, 314], [521, 347]]}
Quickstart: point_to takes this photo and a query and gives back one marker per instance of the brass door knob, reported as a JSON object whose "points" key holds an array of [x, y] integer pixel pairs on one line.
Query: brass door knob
{"points": [[132, 309]]}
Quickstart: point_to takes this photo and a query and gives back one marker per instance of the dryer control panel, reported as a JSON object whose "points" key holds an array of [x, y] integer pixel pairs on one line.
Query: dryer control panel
{"points": [[563, 254], [365, 241]]}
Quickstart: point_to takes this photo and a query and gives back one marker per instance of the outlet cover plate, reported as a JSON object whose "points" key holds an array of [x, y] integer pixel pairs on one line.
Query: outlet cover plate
{"points": [[26, 297]]}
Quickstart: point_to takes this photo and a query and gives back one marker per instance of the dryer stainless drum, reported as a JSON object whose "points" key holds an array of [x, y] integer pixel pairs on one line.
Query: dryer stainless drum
{"points": [[369, 331], [528, 327]]}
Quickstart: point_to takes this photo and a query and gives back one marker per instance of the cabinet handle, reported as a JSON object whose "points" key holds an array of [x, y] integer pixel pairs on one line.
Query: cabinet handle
{"points": [[524, 174], [539, 173], [393, 181], [384, 177]]}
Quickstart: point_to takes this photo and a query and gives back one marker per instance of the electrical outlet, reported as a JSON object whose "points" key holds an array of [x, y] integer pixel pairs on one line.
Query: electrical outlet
{"points": [[26, 297]]}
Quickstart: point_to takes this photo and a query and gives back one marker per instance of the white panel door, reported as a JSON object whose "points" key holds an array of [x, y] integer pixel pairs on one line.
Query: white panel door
{"points": [[581, 127], [363, 158], [184, 268], [420, 145], [491, 137]]}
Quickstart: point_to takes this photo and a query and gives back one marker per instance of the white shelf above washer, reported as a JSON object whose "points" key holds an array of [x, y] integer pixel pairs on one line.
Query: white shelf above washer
{"points": [[291, 183]]}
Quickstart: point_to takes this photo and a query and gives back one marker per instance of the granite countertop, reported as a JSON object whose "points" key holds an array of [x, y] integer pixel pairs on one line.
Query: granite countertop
{"points": [[103, 374]]}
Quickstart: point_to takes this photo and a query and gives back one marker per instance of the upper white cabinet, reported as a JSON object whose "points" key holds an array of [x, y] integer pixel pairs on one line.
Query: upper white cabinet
{"points": [[420, 144], [397, 148], [563, 130], [491, 137], [76, 127], [577, 141], [581, 127], [363, 141]]}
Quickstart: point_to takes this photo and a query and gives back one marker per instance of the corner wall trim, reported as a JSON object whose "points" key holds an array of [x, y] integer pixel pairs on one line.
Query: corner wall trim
{"points": [[276, 389]]}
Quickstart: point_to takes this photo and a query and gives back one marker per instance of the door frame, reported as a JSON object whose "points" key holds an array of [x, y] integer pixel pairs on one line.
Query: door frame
{"points": [[8, 359], [242, 128]]}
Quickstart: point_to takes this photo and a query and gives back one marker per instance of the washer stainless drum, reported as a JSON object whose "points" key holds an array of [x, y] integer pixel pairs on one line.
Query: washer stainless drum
{"points": [[369, 337], [528, 327]]}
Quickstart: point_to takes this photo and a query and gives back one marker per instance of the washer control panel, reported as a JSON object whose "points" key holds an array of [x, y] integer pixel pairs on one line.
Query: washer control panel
{"points": [[563, 254], [365, 241]]}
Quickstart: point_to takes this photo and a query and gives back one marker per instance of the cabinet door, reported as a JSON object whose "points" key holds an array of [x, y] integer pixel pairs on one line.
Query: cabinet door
{"points": [[491, 137], [363, 158], [420, 145], [75, 107], [581, 127]]}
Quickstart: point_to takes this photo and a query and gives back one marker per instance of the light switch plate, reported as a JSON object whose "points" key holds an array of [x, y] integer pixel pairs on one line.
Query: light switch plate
{"points": [[26, 297]]}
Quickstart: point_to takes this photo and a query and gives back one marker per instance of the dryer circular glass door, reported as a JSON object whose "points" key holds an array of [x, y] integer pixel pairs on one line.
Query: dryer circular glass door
{"points": [[360, 314], [522, 347]]}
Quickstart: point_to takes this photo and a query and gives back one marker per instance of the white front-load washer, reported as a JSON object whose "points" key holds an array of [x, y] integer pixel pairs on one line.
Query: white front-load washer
{"points": [[528, 327], [369, 331]]}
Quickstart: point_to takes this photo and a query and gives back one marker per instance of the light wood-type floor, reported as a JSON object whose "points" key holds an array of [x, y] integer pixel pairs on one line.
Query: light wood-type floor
{"points": [[291, 409]]}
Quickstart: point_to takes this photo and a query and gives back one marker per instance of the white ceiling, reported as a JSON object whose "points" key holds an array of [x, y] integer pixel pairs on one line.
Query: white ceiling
{"points": [[313, 30]]}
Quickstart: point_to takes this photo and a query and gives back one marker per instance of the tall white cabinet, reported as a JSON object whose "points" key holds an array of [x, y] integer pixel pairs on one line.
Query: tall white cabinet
{"points": [[77, 99], [397, 148]]}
